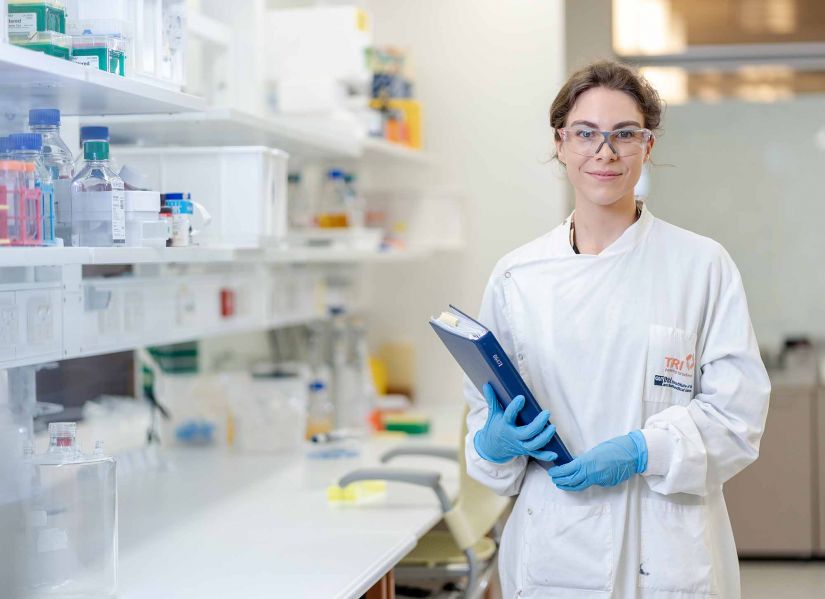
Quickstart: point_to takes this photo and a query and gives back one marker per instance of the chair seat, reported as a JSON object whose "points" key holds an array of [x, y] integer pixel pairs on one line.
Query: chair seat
{"points": [[438, 548]]}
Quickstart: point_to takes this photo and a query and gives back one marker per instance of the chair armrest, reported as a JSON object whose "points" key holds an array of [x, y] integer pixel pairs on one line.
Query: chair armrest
{"points": [[422, 478], [447, 453]]}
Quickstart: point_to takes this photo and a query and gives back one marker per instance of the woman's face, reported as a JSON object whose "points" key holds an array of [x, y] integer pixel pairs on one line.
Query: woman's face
{"points": [[605, 178]]}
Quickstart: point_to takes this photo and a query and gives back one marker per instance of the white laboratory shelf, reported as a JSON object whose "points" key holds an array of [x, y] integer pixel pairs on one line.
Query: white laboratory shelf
{"points": [[302, 137], [25, 257], [31, 79], [63, 256], [171, 255], [221, 127], [341, 256], [383, 149]]}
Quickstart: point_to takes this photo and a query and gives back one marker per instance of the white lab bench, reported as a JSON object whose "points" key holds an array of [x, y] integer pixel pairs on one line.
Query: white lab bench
{"points": [[218, 524]]}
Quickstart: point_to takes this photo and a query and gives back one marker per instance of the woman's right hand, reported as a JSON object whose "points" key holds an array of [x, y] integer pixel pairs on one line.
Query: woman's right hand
{"points": [[501, 440]]}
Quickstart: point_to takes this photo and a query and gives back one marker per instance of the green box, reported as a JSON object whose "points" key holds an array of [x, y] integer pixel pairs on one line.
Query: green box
{"points": [[27, 18], [48, 42], [107, 53]]}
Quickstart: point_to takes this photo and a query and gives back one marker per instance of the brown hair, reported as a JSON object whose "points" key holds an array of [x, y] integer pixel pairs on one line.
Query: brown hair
{"points": [[611, 75]]}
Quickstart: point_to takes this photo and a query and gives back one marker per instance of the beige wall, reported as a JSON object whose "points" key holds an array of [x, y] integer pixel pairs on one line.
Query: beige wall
{"points": [[486, 72]]}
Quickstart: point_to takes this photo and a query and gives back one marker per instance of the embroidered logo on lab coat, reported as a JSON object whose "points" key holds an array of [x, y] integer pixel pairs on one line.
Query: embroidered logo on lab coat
{"points": [[678, 374], [683, 367]]}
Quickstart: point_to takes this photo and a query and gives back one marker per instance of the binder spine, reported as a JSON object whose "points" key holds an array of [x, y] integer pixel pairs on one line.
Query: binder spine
{"points": [[511, 380]]}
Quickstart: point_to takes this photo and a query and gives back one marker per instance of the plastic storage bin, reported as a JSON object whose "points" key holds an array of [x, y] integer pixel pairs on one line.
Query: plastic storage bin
{"points": [[48, 42], [143, 224], [111, 23], [243, 188], [27, 17], [269, 411], [104, 52]]}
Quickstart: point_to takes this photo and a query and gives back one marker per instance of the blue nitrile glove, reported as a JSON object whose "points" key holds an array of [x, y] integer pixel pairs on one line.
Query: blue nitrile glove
{"points": [[501, 440], [608, 464]]}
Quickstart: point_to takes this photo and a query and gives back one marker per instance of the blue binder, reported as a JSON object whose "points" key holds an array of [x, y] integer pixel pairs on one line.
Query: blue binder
{"points": [[482, 358]]}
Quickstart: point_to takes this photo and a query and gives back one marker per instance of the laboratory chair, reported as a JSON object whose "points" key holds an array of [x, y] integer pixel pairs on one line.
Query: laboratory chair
{"points": [[464, 549]]}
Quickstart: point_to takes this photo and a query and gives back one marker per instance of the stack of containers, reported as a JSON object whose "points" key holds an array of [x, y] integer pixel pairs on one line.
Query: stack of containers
{"points": [[243, 188], [37, 192], [144, 227], [39, 25], [20, 204], [10, 202], [101, 33]]}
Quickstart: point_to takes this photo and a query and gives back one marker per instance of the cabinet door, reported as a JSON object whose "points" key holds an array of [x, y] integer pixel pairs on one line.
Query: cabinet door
{"points": [[771, 502]]}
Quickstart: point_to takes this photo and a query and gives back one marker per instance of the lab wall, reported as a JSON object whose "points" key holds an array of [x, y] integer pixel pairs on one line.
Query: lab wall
{"points": [[486, 72], [749, 176]]}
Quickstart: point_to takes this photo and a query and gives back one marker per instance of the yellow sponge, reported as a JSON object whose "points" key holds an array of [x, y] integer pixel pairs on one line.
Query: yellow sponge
{"points": [[362, 491]]}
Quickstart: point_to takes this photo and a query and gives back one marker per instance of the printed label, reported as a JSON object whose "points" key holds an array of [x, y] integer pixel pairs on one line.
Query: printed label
{"points": [[89, 61], [47, 199], [118, 216], [666, 381], [22, 22], [180, 230], [99, 207]]}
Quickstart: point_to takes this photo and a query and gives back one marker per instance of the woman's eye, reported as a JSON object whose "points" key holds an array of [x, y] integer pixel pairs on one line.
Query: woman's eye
{"points": [[625, 134], [584, 133]]}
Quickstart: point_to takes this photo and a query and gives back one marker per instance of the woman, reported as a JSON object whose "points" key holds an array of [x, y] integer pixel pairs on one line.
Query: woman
{"points": [[637, 333]]}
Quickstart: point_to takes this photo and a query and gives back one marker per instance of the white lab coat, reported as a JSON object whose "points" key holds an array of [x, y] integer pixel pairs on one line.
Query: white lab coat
{"points": [[652, 333]]}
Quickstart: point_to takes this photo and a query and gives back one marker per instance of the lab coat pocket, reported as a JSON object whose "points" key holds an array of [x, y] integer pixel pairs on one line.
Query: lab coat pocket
{"points": [[675, 556], [569, 547], [671, 365]]}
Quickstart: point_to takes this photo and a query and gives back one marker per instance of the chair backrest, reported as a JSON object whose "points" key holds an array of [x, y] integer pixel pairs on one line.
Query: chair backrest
{"points": [[477, 508]]}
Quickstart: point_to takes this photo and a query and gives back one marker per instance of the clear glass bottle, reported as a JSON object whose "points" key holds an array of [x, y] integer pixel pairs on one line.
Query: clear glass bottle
{"points": [[38, 189], [321, 412], [332, 205], [299, 208], [354, 392], [71, 528], [98, 201], [356, 204], [58, 160]]}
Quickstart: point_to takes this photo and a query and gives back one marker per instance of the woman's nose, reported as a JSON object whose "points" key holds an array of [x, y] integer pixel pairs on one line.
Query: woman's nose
{"points": [[605, 151]]}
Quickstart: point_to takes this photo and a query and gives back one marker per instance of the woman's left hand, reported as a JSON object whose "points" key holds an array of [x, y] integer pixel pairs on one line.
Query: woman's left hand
{"points": [[608, 464]]}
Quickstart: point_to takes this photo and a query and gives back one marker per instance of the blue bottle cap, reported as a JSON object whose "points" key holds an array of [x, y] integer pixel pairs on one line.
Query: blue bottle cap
{"points": [[93, 132], [317, 385], [25, 141], [335, 173], [44, 116]]}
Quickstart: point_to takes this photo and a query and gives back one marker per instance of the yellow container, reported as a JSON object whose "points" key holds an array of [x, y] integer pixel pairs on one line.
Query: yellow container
{"points": [[411, 109]]}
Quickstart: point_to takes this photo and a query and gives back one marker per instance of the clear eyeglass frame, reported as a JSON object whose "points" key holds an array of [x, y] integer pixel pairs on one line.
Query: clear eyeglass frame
{"points": [[586, 141]]}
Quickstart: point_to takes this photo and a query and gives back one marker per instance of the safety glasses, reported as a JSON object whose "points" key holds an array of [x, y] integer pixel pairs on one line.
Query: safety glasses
{"points": [[586, 141]]}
